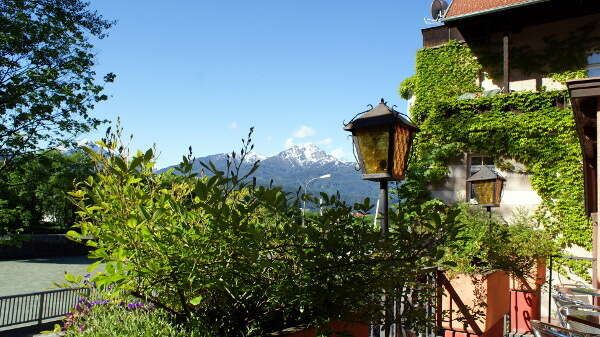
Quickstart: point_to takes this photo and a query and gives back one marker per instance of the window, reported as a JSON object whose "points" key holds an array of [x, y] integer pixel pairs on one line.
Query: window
{"points": [[476, 163], [593, 67]]}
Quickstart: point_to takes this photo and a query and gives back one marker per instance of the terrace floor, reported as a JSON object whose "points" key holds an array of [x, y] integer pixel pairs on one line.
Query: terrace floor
{"points": [[25, 276]]}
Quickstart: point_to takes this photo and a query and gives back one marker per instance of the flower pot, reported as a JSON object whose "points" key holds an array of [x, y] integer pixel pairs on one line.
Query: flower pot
{"points": [[525, 297], [475, 305]]}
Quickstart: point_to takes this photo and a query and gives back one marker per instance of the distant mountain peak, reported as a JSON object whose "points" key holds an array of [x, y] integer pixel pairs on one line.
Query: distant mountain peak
{"points": [[297, 165], [254, 157], [307, 154]]}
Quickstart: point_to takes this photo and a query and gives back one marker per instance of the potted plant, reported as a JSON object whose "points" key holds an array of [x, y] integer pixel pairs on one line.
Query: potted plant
{"points": [[493, 265]]}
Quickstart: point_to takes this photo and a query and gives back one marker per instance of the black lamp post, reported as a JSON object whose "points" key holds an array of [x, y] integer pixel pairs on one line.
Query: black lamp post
{"points": [[487, 187], [382, 139]]}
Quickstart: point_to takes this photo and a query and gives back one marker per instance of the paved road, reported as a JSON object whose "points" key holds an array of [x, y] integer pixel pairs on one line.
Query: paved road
{"points": [[24, 276]]}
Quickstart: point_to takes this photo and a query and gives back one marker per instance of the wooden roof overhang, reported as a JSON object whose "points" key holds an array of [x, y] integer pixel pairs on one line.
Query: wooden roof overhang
{"points": [[478, 27], [461, 9], [481, 24], [585, 98]]}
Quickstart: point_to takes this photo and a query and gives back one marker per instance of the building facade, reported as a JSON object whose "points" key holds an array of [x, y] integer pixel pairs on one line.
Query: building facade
{"points": [[525, 76], [521, 46]]}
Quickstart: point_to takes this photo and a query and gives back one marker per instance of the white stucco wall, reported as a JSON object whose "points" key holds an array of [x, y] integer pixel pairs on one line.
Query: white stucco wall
{"points": [[517, 196], [523, 85]]}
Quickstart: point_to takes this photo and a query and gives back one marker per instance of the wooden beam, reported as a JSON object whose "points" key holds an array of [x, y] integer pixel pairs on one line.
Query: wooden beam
{"points": [[506, 68], [439, 297], [595, 265], [468, 175], [595, 231]]}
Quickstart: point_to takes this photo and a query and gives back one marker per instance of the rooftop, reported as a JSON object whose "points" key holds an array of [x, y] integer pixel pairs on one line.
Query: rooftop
{"points": [[467, 8]]}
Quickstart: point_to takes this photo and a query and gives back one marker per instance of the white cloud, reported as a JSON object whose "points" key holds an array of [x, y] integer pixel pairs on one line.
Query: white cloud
{"points": [[339, 153], [233, 125], [304, 131], [289, 143]]}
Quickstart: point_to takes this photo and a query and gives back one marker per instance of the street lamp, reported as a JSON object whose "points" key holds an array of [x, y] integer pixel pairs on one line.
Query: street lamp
{"points": [[382, 139], [325, 176], [487, 187]]}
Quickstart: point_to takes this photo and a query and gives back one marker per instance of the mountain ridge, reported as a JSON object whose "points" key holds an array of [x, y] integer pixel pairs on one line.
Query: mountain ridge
{"points": [[295, 166]]}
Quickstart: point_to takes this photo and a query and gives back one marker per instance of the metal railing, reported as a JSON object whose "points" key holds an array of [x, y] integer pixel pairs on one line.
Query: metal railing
{"points": [[39, 306]]}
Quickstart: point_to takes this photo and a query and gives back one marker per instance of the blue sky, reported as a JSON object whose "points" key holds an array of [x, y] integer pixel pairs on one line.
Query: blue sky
{"points": [[201, 73]]}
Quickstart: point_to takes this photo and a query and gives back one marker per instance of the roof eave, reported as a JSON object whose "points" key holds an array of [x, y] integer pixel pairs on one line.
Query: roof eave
{"points": [[491, 11]]}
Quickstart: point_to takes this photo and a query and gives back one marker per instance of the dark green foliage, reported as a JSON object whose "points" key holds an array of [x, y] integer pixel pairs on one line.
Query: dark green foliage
{"points": [[47, 83], [235, 255], [33, 194], [534, 128], [531, 128], [116, 321], [486, 243], [442, 73]]}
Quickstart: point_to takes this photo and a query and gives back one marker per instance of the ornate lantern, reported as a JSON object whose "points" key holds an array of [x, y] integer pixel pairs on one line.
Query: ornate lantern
{"points": [[382, 139], [487, 187]]}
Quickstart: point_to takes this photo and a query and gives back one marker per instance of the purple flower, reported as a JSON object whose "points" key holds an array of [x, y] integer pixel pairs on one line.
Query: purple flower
{"points": [[135, 305], [99, 302]]}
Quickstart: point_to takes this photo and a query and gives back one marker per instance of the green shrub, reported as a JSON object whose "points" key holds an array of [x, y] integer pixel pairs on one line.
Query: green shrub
{"points": [[487, 243], [117, 321], [535, 129], [236, 256]]}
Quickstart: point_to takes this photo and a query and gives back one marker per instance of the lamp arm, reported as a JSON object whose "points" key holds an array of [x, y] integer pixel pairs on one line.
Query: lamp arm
{"points": [[308, 182]]}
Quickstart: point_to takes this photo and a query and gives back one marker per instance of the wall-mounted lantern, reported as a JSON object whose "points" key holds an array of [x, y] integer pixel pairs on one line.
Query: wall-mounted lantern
{"points": [[382, 139], [487, 187]]}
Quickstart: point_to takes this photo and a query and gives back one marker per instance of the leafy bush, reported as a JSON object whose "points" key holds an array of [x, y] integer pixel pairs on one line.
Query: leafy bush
{"points": [[535, 129], [33, 193], [109, 320], [236, 257], [487, 243]]}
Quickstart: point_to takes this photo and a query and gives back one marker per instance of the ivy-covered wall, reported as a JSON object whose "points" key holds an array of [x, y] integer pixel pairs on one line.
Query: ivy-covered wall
{"points": [[534, 128]]}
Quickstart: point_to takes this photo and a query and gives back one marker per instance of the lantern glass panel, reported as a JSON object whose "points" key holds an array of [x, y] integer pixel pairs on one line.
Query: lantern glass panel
{"points": [[373, 145], [402, 142], [485, 192]]}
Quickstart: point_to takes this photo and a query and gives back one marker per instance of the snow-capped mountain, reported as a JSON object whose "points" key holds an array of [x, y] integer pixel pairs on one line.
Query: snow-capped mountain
{"points": [[308, 154], [253, 157], [294, 167]]}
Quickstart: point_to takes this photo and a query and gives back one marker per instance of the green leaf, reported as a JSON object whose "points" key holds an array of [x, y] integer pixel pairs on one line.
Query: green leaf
{"points": [[73, 278], [132, 222], [73, 235], [93, 266], [196, 300]]}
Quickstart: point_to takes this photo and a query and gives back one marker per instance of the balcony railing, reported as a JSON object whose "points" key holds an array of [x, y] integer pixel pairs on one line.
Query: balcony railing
{"points": [[25, 309]]}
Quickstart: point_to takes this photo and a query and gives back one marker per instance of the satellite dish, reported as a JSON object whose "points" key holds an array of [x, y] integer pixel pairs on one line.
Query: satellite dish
{"points": [[438, 9]]}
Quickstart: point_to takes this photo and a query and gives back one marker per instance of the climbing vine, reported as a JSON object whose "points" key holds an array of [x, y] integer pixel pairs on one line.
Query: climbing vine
{"points": [[442, 73], [534, 128]]}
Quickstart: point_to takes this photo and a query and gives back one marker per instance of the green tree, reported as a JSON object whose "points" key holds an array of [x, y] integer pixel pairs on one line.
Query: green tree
{"points": [[48, 87], [33, 194], [236, 256]]}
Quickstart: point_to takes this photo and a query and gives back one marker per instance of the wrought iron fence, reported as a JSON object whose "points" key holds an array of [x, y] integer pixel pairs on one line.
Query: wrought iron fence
{"points": [[39, 306]]}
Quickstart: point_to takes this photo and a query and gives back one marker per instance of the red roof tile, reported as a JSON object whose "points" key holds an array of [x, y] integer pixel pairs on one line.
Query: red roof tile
{"points": [[460, 8]]}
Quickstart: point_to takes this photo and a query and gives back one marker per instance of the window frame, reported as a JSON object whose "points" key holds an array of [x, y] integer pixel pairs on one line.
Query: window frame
{"points": [[593, 63]]}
